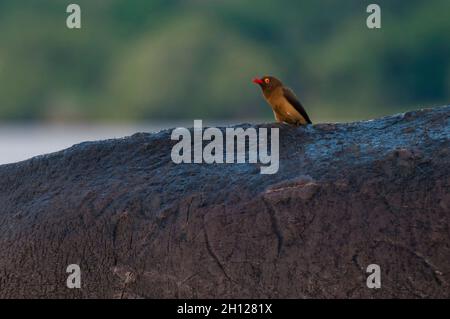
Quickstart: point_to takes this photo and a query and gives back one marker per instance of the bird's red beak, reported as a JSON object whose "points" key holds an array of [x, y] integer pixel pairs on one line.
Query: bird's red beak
{"points": [[257, 81]]}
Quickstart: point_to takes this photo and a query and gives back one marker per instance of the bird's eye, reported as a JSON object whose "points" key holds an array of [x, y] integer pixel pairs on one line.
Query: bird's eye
{"points": [[267, 80]]}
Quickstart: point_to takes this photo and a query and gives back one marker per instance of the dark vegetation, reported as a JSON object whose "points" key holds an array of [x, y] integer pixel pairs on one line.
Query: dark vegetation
{"points": [[184, 59]]}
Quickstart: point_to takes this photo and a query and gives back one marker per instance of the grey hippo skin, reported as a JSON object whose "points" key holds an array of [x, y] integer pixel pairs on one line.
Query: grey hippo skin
{"points": [[139, 226]]}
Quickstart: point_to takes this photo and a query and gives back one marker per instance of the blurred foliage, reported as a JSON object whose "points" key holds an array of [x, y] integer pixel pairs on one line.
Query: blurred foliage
{"points": [[165, 60]]}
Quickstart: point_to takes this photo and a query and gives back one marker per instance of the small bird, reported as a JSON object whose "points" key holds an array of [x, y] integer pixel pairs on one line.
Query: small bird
{"points": [[283, 101]]}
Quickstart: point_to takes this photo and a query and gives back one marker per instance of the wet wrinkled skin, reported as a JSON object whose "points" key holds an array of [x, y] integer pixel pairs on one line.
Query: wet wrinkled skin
{"points": [[139, 226]]}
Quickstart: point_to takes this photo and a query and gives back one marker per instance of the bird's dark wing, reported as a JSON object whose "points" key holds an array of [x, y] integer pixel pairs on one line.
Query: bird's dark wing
{"points": [[290, 96]]}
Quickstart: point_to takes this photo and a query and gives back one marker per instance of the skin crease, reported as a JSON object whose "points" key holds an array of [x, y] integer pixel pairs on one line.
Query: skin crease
{"points": [[285, 105]]}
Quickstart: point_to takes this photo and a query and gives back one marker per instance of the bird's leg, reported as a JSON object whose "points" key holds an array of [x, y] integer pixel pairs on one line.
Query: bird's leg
{"points": [[277, 117]]}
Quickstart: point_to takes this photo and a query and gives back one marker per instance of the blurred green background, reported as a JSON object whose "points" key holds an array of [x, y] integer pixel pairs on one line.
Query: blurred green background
{"points": [[161, 60]]}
